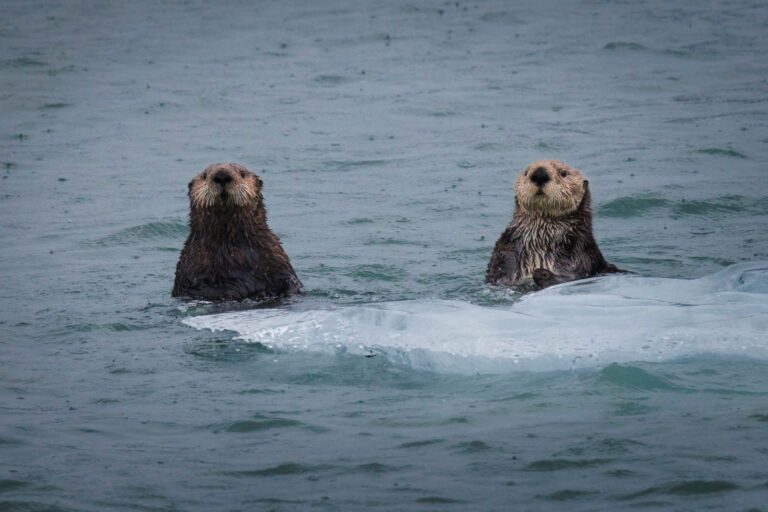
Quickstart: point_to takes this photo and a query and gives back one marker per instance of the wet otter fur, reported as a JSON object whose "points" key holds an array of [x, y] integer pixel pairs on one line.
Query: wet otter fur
{"points": [[550, 239], [230, 253]]}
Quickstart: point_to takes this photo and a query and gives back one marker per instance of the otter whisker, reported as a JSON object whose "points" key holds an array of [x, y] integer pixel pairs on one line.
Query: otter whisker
{"points": [[200, 197], [245, 194]]}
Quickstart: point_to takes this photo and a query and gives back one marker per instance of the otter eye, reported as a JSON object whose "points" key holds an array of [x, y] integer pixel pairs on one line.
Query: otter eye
{"points": [[563, 173], [242, 174], [204, 175]]}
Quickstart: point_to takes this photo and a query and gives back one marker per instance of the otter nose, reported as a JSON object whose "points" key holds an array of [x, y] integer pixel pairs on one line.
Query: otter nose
{"points": [[222, 177], [540, 177]]}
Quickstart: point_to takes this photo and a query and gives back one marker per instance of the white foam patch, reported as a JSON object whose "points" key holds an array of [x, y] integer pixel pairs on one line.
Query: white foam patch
{"points": [[592, 322]]}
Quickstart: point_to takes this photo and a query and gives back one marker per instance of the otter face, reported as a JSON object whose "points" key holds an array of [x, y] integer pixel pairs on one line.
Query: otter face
{"points": [[225, 185], [549, 188]]}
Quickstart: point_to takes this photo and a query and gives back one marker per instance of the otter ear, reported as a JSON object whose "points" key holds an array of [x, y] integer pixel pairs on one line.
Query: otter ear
{"points": [[586, 198], [261, 182]]}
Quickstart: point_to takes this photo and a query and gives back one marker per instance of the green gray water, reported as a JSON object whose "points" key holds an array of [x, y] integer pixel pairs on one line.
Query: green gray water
{"points": [[388, 135]]}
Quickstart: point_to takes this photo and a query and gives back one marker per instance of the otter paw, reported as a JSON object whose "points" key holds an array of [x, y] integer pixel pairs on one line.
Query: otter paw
{"points": [[544, 277]]}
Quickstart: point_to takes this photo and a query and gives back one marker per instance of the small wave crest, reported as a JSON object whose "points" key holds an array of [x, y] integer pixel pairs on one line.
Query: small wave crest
{"points": [[581, 324], [149, 231]]}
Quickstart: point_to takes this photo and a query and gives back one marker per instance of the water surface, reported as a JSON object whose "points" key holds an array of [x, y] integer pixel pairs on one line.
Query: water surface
{"points": [[388, 135]]}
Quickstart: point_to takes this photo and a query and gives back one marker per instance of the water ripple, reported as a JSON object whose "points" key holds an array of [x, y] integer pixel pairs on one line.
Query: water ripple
{"points": [[285, 469], [150, 231], [631, 377], [686, 488], [561, 464], [721, 152], [258, 424]]}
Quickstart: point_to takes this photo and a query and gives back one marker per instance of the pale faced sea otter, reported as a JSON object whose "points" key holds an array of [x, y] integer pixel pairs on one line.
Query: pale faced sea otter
{"points": [[549, 240]]}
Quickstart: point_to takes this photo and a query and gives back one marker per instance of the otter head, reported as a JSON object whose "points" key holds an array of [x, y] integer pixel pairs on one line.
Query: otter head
{"points": [[225, 186], [549, 188]]}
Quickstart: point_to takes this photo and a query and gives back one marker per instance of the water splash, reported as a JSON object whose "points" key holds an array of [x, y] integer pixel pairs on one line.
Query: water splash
{"points": [[586, 323]]}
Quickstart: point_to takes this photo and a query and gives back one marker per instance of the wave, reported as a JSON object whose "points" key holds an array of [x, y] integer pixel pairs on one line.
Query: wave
{"points": [[593, 322]]}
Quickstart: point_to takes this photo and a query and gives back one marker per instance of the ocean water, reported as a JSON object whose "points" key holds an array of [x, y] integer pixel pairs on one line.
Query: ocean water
{"points": [[388, 135]]}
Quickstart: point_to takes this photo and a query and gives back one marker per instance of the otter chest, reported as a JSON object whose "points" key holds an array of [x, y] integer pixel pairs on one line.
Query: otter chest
{"points": [[542, 244]]}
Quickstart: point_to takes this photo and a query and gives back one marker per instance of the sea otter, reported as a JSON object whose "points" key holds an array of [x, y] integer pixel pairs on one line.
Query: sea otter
{"points": [[549, 240], [230, 253]]}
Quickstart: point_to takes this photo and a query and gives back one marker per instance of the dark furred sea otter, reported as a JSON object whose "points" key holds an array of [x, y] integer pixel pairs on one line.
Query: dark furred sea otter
{"points": [[230, 253], [550, 237]]}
